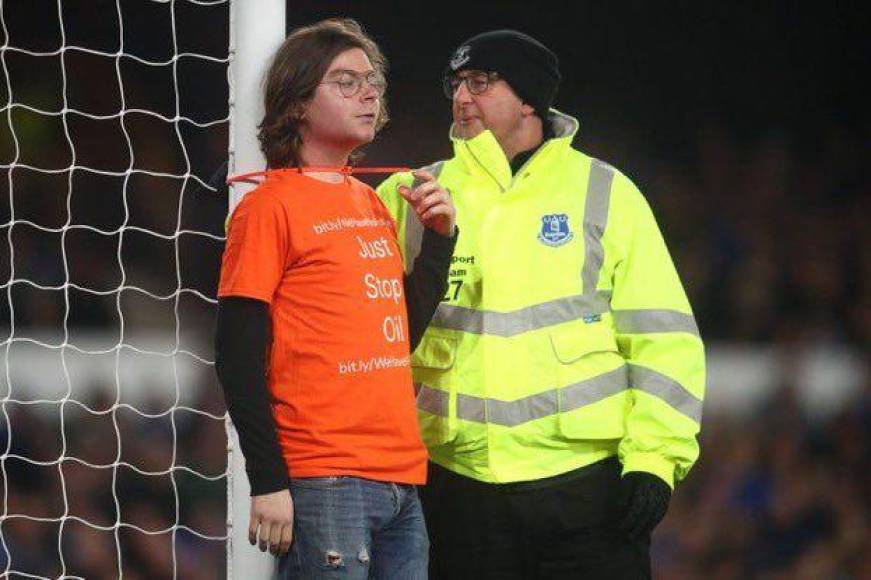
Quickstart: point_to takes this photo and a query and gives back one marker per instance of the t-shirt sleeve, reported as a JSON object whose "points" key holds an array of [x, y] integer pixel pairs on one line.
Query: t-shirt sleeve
{"points": [[257, 250], [381, 210]]}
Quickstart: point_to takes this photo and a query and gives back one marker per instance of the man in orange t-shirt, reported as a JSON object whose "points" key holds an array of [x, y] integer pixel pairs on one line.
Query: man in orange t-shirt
{"points": [[325, 409]]}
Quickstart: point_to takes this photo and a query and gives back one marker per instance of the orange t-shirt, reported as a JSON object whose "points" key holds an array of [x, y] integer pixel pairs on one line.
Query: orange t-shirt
{"points": [[325, 258]]}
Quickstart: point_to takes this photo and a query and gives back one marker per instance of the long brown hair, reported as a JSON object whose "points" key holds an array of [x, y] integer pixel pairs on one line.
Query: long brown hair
{"points": [[297, 68]]}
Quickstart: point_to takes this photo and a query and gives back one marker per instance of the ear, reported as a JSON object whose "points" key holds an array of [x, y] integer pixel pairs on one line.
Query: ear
{"points": [[526, 110], [297, 111]]}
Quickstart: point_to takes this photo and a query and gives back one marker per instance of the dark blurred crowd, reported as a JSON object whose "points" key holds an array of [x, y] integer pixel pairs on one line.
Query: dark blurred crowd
{"points": [[132, 495], [771, 233], [775, 497]]}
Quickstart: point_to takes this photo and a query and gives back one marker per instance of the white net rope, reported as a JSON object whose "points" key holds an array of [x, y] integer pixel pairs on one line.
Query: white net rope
{"points": [[113, 117]]}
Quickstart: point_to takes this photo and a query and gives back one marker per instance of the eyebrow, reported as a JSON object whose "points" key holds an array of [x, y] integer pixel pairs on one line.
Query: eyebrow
{"points": [[340, 71], [469, 73]]}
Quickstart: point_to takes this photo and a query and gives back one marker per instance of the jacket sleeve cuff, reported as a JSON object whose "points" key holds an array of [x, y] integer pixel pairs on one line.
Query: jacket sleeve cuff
{"points": [[650, 463]]}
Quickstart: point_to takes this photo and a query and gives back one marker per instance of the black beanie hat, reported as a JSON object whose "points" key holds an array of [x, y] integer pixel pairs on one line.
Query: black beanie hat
{"points": [[528, 66]]}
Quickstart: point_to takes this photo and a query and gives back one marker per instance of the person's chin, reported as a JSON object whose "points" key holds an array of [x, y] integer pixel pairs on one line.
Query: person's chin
{"points": [[469, 129], [366, 136], [359, 139]]}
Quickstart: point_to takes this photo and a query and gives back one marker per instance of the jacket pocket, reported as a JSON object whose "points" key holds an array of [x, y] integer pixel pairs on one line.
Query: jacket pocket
{"points": [[576, 340], [436, 394], [591, 382]]}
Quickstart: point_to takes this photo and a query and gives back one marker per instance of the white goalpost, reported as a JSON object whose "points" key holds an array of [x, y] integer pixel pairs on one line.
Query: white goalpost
{"points": [[116, 456], [254, 35]]}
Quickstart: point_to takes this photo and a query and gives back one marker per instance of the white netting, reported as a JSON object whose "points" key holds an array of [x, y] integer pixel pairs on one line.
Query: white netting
{"points": [[112, 443]]}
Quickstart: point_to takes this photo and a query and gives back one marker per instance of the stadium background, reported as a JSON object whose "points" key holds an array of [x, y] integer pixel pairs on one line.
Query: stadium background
{"points": [[742, 124]]}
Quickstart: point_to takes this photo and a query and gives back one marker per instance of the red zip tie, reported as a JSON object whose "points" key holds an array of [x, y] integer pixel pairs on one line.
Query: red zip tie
{"points": [[346, 170]]}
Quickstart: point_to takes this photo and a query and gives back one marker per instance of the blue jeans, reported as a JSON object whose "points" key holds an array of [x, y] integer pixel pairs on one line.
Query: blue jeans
{"points": [[348, 527]]}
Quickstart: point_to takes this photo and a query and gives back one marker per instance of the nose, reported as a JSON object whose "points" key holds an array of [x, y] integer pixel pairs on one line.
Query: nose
{"points": [[368, 92], [462, 94]]}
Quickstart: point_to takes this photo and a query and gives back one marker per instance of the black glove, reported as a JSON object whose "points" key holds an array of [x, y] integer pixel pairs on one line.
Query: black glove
{"points": [[644, 500]]}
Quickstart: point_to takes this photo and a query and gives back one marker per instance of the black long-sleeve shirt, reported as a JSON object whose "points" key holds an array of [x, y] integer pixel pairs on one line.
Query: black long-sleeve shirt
{"points": [[242, 339]]}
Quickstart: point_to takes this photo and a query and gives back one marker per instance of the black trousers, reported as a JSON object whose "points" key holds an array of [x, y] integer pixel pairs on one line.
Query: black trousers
{"points": [[560, 527]]}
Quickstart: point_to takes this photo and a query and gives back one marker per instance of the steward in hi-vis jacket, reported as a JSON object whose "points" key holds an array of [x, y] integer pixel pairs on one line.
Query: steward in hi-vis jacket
{"points": [[560, 383]]}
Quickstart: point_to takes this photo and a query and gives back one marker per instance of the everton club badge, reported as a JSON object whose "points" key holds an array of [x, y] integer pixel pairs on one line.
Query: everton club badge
{"points": [[555, 230]]}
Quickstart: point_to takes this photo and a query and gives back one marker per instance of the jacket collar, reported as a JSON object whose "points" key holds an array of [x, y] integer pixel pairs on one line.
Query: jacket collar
{"points": [[483, 154]]}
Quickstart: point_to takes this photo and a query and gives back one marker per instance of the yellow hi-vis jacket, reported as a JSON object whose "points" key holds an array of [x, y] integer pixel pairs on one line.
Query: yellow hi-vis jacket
{"points": [[565, 336]]}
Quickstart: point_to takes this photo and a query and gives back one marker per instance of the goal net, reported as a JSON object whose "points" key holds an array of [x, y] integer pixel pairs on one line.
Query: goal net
{"points": [[113, 118]]}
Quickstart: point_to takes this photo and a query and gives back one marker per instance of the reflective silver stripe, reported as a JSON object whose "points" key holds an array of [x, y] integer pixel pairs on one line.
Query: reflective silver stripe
{"points": [[595, 220], [471, 408], [593, 390], [666, 389], [413, 227], [513, 413], [537, 406], [432, 400], [653, 320], [581, 394], [523, 320]]}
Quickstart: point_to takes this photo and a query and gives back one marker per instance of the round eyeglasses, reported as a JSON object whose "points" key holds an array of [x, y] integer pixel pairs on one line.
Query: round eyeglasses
{"points": [[477, 82], [350, 82]]}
